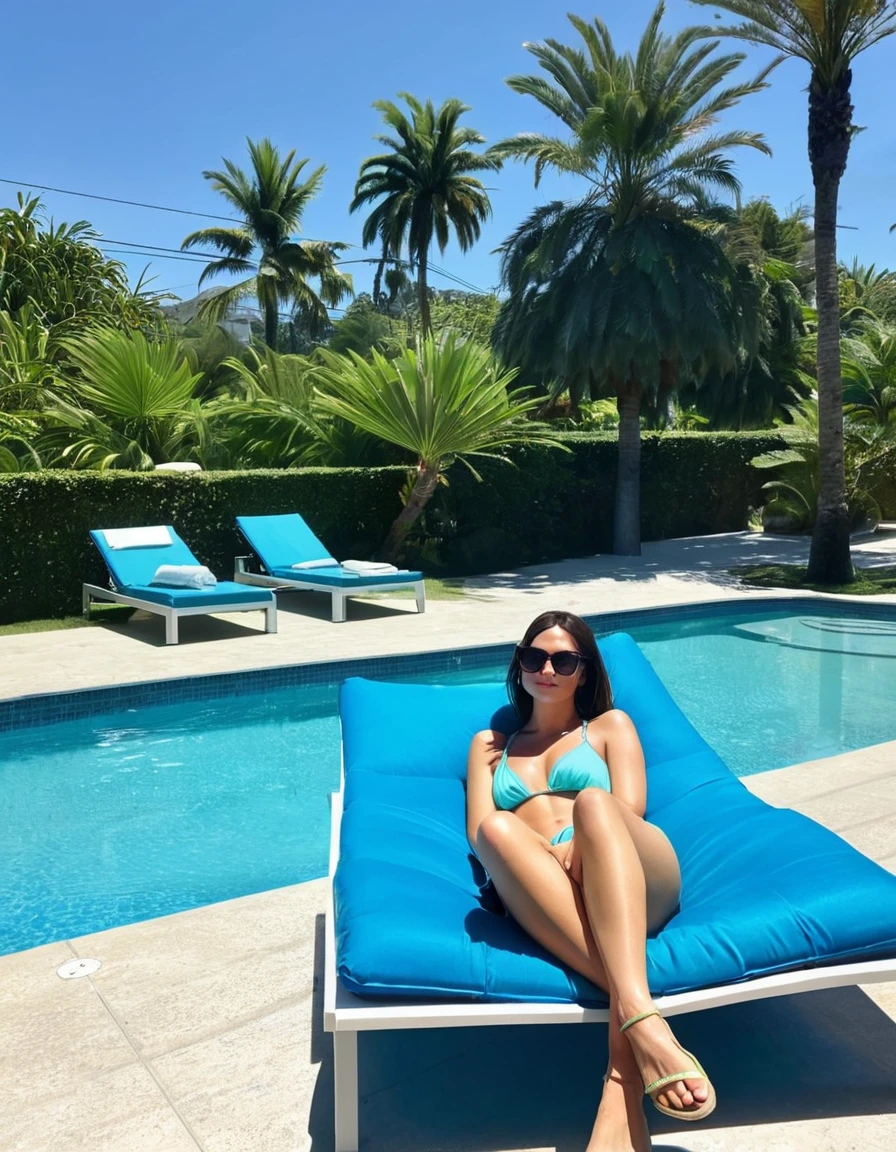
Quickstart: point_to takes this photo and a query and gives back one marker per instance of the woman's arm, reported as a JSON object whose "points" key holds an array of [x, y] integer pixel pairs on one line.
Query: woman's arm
{"points": [[485, 751], [625, 760]]}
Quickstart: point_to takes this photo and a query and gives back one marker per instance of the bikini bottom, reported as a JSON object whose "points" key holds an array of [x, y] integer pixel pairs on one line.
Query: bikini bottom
{"points": [[563, 835]]}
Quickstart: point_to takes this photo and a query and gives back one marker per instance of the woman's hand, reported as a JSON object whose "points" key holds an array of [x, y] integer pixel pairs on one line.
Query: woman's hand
{"points": [[567, 856]]}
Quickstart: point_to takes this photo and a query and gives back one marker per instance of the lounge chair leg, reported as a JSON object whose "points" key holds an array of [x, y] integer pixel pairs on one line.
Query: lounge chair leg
{"points": [[171, 629], [338, 608], [270, 618], [420, 591], [345, 1090], [85, 603]]}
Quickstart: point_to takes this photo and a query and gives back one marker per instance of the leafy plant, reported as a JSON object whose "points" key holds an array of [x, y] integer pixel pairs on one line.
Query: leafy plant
{"points": [[442, 401], [275, 423], [59, 274], [794, 487], [125, 403]]}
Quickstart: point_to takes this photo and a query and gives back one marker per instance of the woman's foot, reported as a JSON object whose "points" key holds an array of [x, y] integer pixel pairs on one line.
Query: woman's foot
{"points": [[620, 1125], [658, 1054]]}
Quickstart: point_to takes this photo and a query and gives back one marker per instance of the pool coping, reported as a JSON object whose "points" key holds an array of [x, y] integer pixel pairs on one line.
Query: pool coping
{"points": [[38, 709]]}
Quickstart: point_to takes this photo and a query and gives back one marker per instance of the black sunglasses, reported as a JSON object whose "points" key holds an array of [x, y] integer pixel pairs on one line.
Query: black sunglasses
{"points": [[534, 659]]}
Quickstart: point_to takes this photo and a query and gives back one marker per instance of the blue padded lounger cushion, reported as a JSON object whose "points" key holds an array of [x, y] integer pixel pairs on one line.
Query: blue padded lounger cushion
{"points": [[336, 578], [763, 889], [132, 569], [281, 541]]}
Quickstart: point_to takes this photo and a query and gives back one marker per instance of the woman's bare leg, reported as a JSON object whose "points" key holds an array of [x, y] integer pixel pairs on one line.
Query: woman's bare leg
{"points": [[548, 903], [630, 881]]}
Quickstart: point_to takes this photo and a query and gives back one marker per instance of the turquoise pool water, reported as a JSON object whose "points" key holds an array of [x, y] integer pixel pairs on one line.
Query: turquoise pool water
{"points": [[139, 813]]}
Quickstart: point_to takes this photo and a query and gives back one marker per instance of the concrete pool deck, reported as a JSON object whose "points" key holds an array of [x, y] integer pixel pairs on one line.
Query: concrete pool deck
{"points": [[202, 1030]]}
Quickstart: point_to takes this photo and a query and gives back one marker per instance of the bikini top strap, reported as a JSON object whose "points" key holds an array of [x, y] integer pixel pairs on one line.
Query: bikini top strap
{"points": [[585, 731], [510, 740]]}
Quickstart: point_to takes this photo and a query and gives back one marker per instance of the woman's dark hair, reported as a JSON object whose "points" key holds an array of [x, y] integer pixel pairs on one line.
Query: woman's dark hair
{"points": [[593, 697]]}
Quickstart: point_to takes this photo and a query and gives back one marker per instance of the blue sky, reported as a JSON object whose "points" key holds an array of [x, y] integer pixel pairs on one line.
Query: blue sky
{"points": [[135, 101]]}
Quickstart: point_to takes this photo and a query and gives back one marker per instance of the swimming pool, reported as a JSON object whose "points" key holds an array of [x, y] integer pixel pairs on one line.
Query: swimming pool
{"points": [[177, 794]]}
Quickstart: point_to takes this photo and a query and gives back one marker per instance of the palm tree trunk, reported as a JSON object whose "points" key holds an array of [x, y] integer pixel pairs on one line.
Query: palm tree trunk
{"points": [[423, 294], [378, 277], [830, 115], [424, 486], [627, 514], [271, 319]]}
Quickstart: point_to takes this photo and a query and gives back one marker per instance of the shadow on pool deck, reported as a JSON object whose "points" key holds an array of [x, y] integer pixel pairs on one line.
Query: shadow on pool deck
{"points": [[817, 1055], [702, 559]]}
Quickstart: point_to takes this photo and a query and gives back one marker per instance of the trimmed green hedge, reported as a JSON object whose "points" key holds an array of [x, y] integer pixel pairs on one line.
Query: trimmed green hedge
{"points": [[45, 517], [552, 505], [557, 504]]}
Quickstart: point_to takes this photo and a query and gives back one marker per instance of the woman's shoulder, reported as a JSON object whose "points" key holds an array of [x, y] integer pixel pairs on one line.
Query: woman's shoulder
{"points": [[612, 720], [489, 738]]}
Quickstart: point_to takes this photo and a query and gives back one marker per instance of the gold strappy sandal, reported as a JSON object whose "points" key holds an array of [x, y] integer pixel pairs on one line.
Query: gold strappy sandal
{"points": [[694, 1073]]}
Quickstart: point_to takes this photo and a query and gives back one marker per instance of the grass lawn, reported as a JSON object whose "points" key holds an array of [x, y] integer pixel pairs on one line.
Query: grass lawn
{"points": [[868, 581], [435, 590], [113, 614]]}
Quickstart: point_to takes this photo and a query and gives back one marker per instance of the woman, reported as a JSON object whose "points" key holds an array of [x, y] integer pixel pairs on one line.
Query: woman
{"points": [[555, 813]]}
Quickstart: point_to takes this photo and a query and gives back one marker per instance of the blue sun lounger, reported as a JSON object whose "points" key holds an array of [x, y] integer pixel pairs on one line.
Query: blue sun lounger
{"points": [[772, 903], [293, 557], [133, 564]]}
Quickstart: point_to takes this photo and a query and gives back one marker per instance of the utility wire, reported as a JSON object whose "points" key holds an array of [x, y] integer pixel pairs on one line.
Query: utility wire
{"points": [[204, 216], [151, 252], [115, 200]]}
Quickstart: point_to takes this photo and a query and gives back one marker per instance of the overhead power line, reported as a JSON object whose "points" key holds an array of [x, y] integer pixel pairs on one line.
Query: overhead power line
{"points": [[205, 216], [115, 200], [153, 251]]}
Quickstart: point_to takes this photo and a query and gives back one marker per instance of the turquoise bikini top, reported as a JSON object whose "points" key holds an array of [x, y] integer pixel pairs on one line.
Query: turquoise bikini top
{"points": [[579, 768]]}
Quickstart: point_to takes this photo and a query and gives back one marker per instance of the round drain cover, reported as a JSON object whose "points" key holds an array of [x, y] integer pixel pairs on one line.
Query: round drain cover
{"points": [[72, 969]]}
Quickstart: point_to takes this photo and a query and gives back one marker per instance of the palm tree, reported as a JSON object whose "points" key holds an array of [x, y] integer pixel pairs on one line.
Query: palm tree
{"points": [[625, 291], [828, 35], [422, 187], [445, 401], [271, 201]]}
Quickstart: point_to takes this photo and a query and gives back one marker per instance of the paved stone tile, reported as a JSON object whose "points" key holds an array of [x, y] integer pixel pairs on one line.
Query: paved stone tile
{"points": [[178, 979], [250, 1088], [122, 1110], [54, 1034]]}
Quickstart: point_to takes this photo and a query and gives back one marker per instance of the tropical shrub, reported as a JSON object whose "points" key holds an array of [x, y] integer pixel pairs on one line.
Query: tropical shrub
{"points": [[57, 272], [794, 484], [125, 402], [274, 420], [443, 401]]}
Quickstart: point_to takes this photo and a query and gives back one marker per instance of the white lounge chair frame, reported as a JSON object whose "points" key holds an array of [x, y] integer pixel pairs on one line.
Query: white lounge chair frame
{"points": [[242, 575], [91, 592], [345, 1015]]}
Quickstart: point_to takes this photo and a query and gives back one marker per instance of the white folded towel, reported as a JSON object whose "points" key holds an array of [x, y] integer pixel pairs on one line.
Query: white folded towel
{"points": [[368, 567], [184, 576], [137, 537], [330, 563]]}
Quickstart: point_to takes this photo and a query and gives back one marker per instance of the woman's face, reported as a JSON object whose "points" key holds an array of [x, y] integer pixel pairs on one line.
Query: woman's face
{"points": [[545, 685]]}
